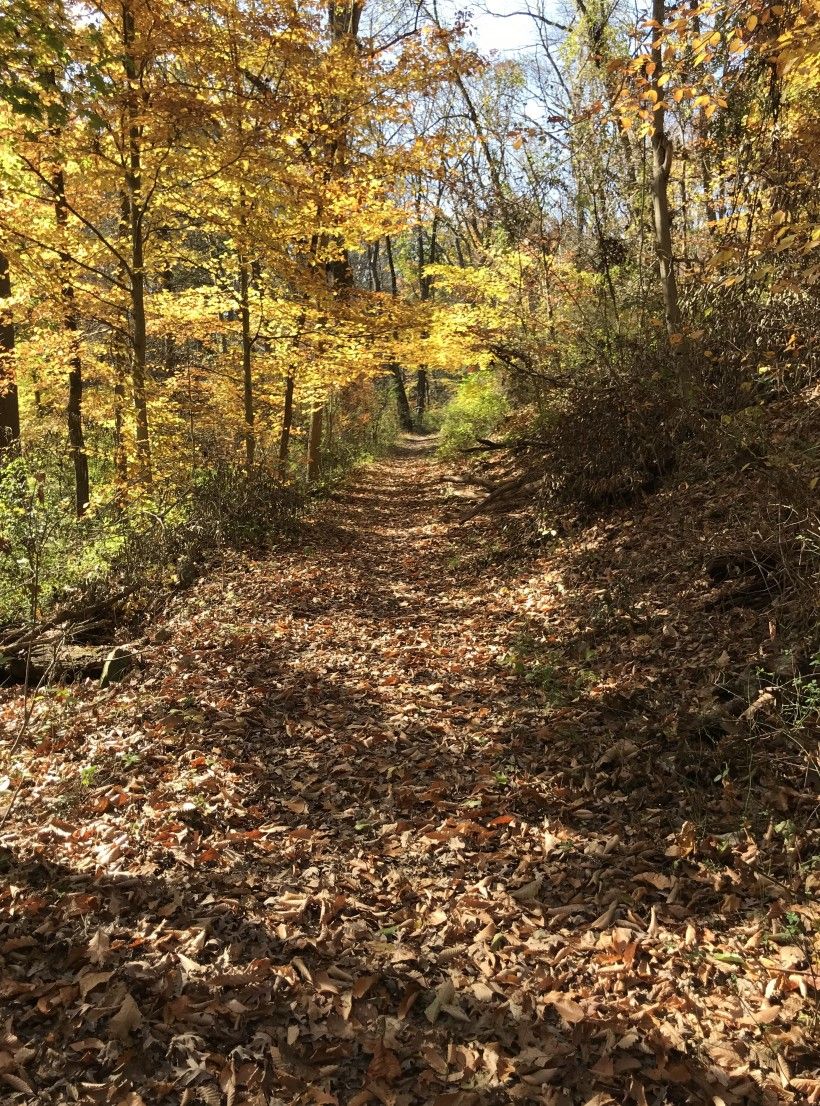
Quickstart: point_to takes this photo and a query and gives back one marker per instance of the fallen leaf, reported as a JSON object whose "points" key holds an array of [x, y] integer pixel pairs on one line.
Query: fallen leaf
{"points": [[127, 1018], [384, 1065], [444, 994], [91, 980]]}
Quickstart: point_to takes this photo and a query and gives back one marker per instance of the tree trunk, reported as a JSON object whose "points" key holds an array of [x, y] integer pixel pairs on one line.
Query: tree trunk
{"points": [[74, 406], [344, 18], [136, 212], [315, 443], [422, 393], [120, 353], [425, 290], [120, 450], [247, 374], [287, 423], [402, 402], [343, 23], [9, 400], [139, 353], [662, 154], [169, 354]]}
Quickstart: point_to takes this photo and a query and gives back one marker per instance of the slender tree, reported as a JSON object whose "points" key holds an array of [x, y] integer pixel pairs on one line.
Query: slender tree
{"points": [[9, 400]]}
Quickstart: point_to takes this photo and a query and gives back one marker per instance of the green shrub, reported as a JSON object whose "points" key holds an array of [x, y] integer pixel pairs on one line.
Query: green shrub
{"points": [[45, 550], [477, 408], [50, 558]]}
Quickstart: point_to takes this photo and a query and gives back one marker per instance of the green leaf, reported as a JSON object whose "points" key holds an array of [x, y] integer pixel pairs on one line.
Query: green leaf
{"points": [[728, 958]]}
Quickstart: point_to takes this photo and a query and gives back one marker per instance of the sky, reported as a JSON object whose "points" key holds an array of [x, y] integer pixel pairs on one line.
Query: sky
{"points": [[510, 35]]}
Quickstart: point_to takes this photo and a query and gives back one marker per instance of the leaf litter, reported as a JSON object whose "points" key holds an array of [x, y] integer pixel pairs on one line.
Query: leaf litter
{"points": [[349, 838]]}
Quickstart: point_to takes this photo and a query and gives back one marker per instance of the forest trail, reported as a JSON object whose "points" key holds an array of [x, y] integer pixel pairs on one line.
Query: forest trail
{"points": [[334, 845]]}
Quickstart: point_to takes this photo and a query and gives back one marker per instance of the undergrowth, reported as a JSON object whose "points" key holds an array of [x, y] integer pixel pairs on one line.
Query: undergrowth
{"points": [[50, 558], [477, 407]]}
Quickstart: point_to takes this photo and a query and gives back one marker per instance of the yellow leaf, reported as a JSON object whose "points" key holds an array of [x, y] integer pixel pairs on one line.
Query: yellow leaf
{"points": [[751, 23]]}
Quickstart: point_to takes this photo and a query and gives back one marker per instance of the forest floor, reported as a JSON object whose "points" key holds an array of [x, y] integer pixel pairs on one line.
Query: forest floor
{"points": [[380, 820]]}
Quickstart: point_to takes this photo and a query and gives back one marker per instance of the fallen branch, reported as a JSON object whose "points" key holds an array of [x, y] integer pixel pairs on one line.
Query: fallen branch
{"points": [[485, 444], [479, 482], [518, 446], [508, 488], [80, 618]]}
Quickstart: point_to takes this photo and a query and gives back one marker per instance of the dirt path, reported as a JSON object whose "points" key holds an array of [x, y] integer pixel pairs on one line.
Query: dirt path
{"points": [[339, 843]]}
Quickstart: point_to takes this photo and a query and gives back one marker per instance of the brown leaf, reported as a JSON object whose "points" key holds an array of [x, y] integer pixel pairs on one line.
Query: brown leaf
{"points": [[568, 1008], [189, 966], [764, 1016], [529, 891], [99, 948], [436, 1061], [408, 1001], [482, 992], [792, 957], [127, 1018], [91, 980], [227, 1082], [363, 984], [444, 994], [17, 1082], [656, 879], [86, 1044], [384, 1065]]}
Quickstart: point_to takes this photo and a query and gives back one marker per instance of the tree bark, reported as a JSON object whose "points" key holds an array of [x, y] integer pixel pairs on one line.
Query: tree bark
{"points": [[344, 19], [314, 454], [247, 373], [343, 24], [287, 423], [425, 291], [422, 395], [169, 356], [9, 399], [74, 406], [662, 156], [136, 213], [120, 450], [402, 402]]}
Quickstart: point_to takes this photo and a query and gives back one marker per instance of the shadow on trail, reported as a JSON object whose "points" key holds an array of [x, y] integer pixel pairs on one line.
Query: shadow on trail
{"points": [[435, 887], [307, 1004]]}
